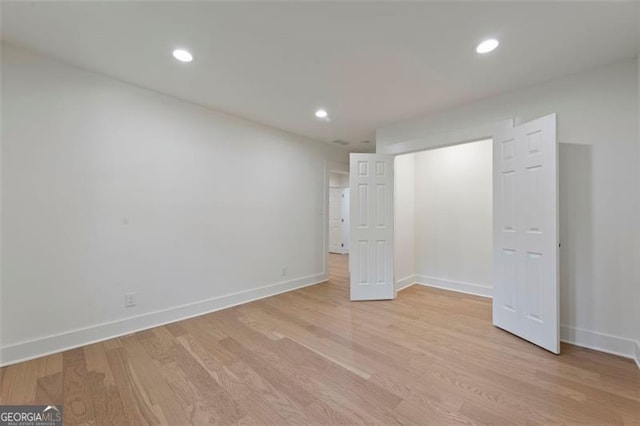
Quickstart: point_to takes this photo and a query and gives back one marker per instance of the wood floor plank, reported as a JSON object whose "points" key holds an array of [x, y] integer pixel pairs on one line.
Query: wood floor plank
{"points": [[313, 357], [78, 402], [133, 408], [160, 394], [284, 383], [221, 407], [50, 390]]}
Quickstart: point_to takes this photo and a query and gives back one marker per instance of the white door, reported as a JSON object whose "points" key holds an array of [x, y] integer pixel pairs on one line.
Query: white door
{"points": [[345, 220], [371, 247], [335, 220], [525, 231]]}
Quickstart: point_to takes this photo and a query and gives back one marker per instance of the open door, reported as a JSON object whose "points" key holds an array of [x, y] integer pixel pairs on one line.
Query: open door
{"points": [[371, 245], [525, 231]]}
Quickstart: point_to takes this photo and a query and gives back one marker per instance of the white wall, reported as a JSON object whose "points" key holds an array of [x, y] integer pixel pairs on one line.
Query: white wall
{"points": [[404, 217], [1, 173], [598, 166], [454, 217], [108, 188], [338, 180], [637, 274]]}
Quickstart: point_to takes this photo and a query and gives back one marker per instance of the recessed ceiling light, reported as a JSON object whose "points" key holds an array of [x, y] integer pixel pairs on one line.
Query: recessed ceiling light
{"points": [[182, 55], [487, 45], [321, 113]]}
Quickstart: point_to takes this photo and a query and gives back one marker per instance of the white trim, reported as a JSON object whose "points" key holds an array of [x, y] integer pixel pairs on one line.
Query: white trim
{"points": [[460, 287], [47, 345], [36, 348], [602, 342], [405, 282]]}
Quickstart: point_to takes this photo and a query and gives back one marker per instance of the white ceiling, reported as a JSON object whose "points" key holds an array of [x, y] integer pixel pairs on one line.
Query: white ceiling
{"points": [[368, 64]]}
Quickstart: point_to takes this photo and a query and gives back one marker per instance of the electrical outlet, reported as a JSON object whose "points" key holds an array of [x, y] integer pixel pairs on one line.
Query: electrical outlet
{"points": [[284, 270], [129, 300]]}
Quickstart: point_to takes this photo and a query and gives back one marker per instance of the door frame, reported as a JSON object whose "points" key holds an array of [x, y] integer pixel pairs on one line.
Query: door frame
{"points": [[329, 167], [462, 136], [329, 205], [442, 140]]}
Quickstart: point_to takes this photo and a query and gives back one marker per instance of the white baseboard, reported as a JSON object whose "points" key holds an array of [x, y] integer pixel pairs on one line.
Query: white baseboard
{"points": [[602, 342], [461, 287], [36, 348], [405, 282]]}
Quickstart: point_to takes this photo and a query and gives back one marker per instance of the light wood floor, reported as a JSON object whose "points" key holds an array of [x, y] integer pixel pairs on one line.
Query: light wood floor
{"points": [[312, 357]]}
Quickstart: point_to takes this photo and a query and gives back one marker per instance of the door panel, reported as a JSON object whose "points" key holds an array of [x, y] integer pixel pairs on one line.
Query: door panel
{"points": [[525, 231], [371, 211]]}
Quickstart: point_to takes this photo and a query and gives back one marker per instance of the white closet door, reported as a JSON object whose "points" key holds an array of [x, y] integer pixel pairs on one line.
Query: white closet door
{"points": [[525, 206], [371, 246]]}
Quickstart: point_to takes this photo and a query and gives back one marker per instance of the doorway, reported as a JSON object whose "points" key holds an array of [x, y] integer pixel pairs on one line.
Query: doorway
{"points": [[443, 218], [338, 223]]}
